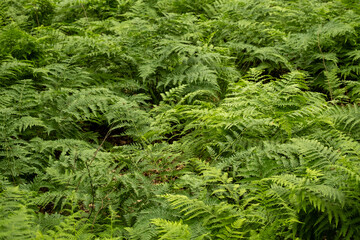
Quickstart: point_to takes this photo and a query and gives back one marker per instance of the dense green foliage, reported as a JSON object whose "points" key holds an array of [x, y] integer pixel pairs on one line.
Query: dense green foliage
{"points": [[180, 119]]}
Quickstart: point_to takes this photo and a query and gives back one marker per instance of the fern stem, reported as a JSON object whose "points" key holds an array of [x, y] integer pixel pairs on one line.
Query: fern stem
{"points": [[153, 95], [82, 6], [37, 18], [323, 60]]}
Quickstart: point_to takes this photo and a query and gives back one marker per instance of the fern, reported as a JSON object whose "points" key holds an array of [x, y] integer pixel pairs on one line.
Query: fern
{"points": [[179, 119], [16, 220], [171, 230]]}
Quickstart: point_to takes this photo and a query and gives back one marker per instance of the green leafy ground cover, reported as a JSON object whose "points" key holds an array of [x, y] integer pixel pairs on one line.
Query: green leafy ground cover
{"points": [[179, 119]]}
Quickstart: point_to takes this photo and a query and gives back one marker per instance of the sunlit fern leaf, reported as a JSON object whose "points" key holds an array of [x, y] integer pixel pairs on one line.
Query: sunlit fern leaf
{"points": [[316, 154], [12, 69], [48, 222], [171, 230], [346, 118], [16, 220]]}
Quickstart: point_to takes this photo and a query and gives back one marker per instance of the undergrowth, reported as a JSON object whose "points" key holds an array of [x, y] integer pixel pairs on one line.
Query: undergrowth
{"points": [[179, 119]]}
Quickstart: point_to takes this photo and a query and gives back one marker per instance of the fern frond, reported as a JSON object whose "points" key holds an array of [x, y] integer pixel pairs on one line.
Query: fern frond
{"points": [[16, 219], [171, 230]]}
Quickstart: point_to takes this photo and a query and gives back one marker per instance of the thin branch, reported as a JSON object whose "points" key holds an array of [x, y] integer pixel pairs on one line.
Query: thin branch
{"points": [[88, 164], [102, 143], [92, 190], [101, 208]]}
